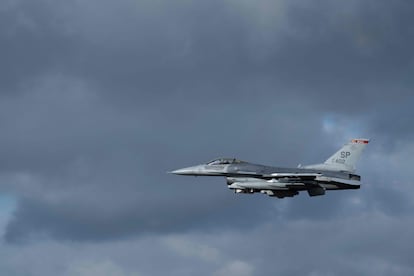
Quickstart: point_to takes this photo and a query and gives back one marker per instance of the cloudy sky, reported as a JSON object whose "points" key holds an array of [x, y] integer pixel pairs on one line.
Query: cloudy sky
{"points": [[99, 99]]}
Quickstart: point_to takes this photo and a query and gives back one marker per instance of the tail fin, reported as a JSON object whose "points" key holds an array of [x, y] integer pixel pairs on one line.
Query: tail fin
{"points": [[345, 158]]}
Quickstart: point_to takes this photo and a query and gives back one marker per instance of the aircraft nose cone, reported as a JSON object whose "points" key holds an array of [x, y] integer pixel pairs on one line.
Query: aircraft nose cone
{"points": [[186, 171], [179, 171]]}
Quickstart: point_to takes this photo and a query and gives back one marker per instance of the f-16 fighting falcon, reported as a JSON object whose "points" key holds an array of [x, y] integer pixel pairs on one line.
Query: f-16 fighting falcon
{"points": [[336, 173]]}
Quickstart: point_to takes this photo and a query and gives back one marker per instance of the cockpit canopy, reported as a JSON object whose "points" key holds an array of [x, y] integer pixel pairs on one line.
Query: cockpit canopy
{"points": [[225, 161]]}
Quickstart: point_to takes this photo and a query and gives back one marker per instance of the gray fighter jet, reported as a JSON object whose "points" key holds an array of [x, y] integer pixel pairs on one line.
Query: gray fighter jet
{"points": [[336, 173]]}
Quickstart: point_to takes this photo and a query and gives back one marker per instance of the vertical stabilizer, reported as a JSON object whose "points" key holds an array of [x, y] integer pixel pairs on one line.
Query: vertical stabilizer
{"points": [[345, 158]]}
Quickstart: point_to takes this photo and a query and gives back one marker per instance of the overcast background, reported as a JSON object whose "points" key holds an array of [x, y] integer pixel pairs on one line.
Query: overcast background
{"points": [[99, 99]]}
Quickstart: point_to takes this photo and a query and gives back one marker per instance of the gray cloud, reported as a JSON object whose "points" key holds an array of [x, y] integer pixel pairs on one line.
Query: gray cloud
{"points": [[99, 99], [367, 243]]}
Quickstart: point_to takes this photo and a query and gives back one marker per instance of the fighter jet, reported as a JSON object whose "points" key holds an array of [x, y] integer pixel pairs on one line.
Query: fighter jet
{"points": [[336, 173]]}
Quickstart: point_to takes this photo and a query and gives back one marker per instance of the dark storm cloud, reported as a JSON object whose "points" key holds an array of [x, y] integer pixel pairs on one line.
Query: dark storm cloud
{"points": [[119, 175], [339, 57], [33, 40], [99, 99], [195, 84], [140, 51]]}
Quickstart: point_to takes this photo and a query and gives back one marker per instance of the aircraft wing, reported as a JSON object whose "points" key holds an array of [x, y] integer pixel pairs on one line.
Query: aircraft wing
{"points": [[301, 176]]}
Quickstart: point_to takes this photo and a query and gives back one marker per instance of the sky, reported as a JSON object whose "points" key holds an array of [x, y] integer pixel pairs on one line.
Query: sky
{"points": [[99, 99]]}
